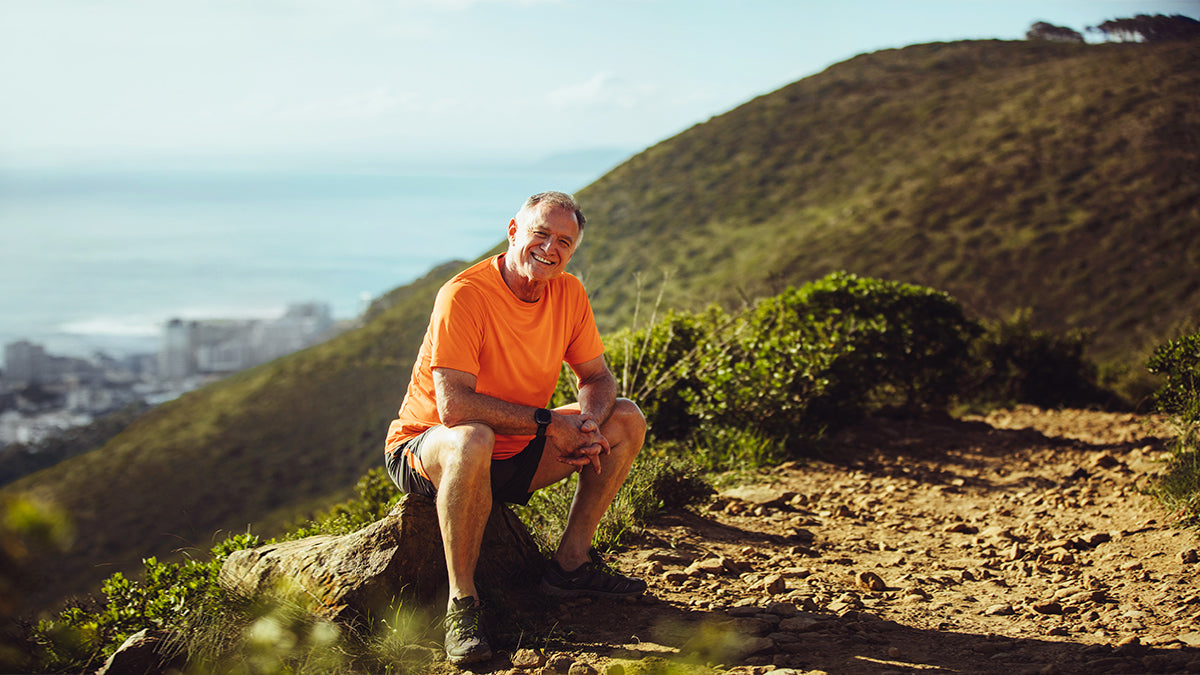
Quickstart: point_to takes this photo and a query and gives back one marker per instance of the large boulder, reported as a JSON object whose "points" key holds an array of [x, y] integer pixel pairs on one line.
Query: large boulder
{"points": [[353, 577]]}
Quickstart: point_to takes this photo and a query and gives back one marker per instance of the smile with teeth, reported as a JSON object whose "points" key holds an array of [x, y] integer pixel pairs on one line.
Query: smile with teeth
{"points": [[541, 259]]}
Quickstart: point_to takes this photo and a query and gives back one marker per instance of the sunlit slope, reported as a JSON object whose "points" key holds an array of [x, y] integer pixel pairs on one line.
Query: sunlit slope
{"points": [[1012, 174]]}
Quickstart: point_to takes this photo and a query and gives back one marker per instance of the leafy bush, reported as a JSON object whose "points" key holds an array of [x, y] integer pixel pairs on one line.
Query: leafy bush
{"points": [[658, 365], [1179, 361], [1179, 397], [178, 597], [819, 356], [907, 345], [1015, 363]]}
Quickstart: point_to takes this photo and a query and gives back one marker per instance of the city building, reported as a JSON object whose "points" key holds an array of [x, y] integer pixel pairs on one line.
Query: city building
{"points": [[228, 345]]}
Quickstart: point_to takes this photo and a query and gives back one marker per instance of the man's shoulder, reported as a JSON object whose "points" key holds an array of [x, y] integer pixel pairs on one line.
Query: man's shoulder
{"points": [[570, 286], [476, 276]]}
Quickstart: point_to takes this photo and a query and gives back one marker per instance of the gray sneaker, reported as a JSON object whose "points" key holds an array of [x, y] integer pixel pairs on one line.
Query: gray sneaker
{"points": [[465, 640]]}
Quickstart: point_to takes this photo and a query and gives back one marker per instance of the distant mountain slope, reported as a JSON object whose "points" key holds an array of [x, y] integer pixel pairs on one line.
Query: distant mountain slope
{"points": [[1012, 174], [1060, 177]]}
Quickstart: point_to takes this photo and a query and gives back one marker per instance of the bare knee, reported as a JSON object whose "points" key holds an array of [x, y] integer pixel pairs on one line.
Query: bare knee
{"points": [[464, 451], [626, 425]]}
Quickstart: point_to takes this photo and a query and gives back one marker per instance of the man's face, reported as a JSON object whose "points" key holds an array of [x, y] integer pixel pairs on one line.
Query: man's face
{"points": [[541, 243]]}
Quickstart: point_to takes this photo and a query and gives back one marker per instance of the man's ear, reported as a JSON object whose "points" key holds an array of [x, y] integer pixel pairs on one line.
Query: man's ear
{"points": [[512, 230]]}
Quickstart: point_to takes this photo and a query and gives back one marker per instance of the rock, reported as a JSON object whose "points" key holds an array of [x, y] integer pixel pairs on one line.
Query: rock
{"points": [[675, 577], [147, 652], [782, 609], [581, 668], [527, 659], [996, 532], [800, 624], [669, 557], [1130, 646], [1191, 639], [774, 584], [1094, 539], [560, 663], [743, 610], [1047, 607], [759, 496], [347, 578], [870, 581], [718, 565], [999, 610], [1189, 557], [759, 645], [614, 669]]}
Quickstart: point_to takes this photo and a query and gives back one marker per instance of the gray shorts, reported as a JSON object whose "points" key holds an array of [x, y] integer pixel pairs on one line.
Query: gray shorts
{"points": [[510, 477]]}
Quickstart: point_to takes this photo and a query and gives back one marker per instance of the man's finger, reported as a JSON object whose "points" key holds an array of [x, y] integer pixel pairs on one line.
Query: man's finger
{"points": [[596, 463]]}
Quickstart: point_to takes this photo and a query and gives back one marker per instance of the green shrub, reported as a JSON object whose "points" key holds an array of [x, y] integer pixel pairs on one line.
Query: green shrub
{"points": [[722, 449], [179, 597], [657, 366], [1015, 363], [1179, 397], [1179, 361], [819, 356]]}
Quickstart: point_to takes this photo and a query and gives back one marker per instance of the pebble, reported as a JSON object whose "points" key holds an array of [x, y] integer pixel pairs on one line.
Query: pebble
{"points": [[527, 659], [581, 668], [870, 581]]}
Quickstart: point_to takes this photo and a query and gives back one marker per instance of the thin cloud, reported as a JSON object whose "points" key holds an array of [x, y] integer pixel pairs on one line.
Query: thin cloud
{"points": [[602, 90]]}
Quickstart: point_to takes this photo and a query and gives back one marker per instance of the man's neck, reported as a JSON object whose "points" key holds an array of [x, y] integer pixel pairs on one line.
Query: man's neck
{"points": [[525, 290]]}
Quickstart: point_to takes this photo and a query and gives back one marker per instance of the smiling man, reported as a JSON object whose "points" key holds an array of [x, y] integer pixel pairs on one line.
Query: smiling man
{"points": [[474, 428]]}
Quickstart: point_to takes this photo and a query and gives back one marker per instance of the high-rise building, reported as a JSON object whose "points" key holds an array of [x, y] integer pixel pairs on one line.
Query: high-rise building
{"points": [[25, 363]]}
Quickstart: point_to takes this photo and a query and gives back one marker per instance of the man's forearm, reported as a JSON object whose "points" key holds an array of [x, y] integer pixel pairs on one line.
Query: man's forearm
{"points": [[597, 397], [503, 417]]}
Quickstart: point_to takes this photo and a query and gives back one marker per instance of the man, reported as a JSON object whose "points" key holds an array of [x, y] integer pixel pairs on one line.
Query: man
{"points": [[473, 427]]}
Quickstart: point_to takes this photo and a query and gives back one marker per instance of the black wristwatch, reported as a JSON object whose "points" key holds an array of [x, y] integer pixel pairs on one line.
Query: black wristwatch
{"points": [[542, 416]]}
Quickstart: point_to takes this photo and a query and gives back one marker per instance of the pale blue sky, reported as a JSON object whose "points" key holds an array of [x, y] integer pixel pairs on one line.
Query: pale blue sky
{"points": [[292, 82]]}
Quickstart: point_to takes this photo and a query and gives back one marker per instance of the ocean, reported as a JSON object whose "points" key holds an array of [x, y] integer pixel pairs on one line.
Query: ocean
{"points": [[99, 261]]}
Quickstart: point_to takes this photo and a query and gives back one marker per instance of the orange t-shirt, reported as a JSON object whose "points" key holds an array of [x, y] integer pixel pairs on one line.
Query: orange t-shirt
{"points": [[515, 349]]}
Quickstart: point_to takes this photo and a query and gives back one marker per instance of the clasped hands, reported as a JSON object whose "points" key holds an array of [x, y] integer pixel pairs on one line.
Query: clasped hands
{"points": [[585, 446]]}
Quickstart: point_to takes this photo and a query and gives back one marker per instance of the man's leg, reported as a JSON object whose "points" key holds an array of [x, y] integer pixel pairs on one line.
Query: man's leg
{"points": [[458, 461], [625, 431]]}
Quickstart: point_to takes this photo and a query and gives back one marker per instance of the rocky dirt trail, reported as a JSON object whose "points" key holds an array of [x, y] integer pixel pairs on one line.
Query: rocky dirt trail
{"points": [[1020, 542]]}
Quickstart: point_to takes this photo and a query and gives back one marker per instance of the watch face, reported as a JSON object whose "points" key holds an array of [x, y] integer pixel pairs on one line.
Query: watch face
{"points": [[541, 416]]}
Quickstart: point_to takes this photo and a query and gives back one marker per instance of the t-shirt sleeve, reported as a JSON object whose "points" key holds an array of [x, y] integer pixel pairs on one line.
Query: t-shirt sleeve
{"points": [[456, 330], [585, 342]]}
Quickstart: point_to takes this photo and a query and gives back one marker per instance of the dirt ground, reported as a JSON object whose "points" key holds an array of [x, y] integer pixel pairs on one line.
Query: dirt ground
{"points": [[1020, 542]]}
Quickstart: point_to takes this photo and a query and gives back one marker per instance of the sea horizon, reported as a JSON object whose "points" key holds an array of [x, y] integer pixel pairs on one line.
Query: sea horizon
{"points": [[99, 260]]}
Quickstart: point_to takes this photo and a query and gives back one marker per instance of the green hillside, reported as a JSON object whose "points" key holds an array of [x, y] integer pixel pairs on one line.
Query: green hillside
{"points": [[1058, 177]]}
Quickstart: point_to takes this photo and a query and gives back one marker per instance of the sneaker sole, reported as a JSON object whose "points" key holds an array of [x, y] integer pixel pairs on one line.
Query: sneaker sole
{"points": [[469, 658]]}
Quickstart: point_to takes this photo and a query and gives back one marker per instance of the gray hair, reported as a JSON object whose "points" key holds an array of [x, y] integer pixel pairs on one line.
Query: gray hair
{"points": [[560, 199]]}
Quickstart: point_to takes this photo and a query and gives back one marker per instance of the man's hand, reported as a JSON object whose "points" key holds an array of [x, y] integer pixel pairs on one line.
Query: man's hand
{"points": [[583, 445]]}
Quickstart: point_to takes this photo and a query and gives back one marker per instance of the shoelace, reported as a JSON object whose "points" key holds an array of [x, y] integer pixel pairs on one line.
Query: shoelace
{"points": [[464, 620]]}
